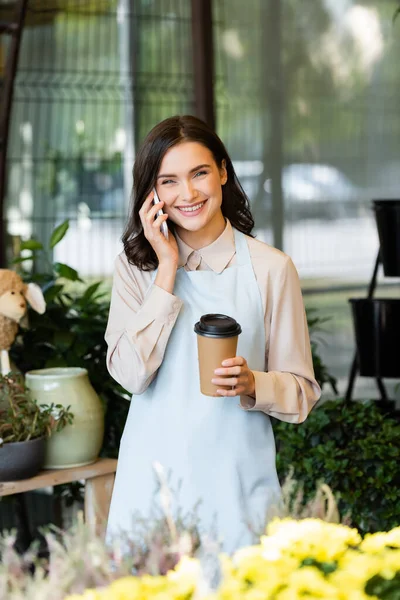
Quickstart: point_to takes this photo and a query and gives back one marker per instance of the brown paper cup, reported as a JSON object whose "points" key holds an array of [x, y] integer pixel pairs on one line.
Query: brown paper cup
{"points": [[217, 340], [211, 352]]}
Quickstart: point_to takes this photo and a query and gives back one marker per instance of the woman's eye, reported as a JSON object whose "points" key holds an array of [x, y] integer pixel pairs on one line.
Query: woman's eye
{"points": [[199, 173], [167, 181]]}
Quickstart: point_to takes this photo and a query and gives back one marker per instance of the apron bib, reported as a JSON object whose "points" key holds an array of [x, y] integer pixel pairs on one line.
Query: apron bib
{"points": [[216, 455]]}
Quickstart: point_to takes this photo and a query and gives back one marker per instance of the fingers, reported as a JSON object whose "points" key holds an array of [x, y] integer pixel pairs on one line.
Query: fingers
{"points": [[146, 204], [231, 381], [239, 391], [165, 247], [235, 361], [150, 221], [236, 375], [157, 223], [149, 216], [152, 229], [149, 210], [231, 375], [225, 372]]}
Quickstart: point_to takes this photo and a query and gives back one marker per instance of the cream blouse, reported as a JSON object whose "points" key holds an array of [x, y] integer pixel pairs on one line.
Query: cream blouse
{"points": [[142, 316]]}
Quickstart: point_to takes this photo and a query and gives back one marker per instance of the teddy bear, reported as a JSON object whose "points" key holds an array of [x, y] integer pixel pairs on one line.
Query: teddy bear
{"points": [[14, 295]]}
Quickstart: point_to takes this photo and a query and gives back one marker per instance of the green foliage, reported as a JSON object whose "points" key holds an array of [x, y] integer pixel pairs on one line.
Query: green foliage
{"points": [[315, 326], [355, 449], [71, 333], [385, 589], [58, 234], [21, 418]]}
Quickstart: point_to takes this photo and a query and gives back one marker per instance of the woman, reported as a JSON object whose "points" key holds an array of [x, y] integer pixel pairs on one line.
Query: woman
{"points": [[218, 451]]}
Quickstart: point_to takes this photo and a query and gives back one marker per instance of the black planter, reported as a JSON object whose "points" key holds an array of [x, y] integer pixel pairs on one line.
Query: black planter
{"points": [[377, 332], [21, 460], [387, 214]]}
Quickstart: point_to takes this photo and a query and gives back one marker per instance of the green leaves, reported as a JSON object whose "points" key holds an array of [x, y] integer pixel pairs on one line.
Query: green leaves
{"points": [[325, 567], [34, 246], [31, 245], [21, 259], [385, 589], [315, 325], [59, 233], [89, 293], [21, 418], [65, 271], [354, 447]]}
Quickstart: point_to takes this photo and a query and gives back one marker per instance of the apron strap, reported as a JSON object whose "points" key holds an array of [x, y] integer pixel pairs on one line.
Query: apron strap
{"points": [[242, 250]]}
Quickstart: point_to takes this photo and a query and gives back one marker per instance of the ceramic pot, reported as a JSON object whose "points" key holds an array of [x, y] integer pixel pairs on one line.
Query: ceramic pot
{"points": [[77, 444], [21, 460], [377, 332]]}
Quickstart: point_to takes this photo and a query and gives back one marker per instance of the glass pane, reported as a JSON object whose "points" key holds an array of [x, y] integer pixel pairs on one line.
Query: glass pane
{"points": [[308, 102], [93, 78]]}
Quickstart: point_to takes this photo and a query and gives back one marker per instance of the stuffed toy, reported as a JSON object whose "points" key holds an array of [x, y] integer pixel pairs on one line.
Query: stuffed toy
{"points": [[14, 295]]}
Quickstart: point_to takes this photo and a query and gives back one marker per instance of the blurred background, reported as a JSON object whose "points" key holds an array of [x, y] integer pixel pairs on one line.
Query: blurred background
{"points": [[306, 97]]}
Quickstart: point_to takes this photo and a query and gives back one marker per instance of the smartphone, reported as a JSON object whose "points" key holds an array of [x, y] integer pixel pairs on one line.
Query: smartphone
{"points": [[164, 227]]}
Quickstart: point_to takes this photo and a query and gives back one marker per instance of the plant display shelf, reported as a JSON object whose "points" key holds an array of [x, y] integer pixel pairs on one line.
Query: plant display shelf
{"points": [[99, 482], [354, 371]]}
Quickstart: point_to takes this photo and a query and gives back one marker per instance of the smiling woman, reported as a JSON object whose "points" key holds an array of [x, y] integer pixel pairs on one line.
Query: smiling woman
{"points": [[193, 192], [204, 158], [218, 449]]}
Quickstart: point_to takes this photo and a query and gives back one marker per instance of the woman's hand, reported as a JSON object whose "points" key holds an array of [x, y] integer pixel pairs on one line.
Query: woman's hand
{"points": [[235, 372], [166, 250]]}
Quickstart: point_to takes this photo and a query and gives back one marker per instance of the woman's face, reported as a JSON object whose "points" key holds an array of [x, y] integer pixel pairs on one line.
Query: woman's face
{"points": [[189, 182]]}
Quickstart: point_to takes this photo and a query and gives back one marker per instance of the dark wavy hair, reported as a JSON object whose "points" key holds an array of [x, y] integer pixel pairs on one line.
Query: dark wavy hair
{"points": [[170, 132]]}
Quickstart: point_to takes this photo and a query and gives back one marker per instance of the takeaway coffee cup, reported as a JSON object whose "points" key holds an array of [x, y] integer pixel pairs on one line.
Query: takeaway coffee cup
{"points": [[217, 339]]}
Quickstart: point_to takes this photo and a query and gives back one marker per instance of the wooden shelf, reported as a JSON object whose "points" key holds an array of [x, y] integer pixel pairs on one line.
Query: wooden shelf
{"points": [[99, 477], [51, 477]]}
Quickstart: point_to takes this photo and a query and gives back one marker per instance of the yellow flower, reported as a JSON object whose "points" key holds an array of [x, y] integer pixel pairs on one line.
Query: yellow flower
{"points": [[376, 542], [87, 595], [354, 570], [126, 588], [391, 559], [185, 577], [276, 569], [152, 585], [258, 593], [308, 538], [310, 580]]}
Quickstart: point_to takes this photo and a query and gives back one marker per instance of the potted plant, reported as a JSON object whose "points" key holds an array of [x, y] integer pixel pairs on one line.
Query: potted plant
{"points": [[24, 428], [71, 332], [78, 444]]}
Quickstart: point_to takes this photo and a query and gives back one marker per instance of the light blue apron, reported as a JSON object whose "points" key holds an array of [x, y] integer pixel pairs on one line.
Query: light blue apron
{"points": [[217, 455]]}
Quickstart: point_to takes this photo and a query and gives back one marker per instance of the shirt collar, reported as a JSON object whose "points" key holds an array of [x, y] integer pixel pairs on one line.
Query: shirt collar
{"points": [[216, 255]]}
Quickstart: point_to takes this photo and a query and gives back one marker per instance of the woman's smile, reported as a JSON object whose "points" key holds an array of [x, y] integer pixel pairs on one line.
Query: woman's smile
{"points": [[190, 183], [191, 210]]}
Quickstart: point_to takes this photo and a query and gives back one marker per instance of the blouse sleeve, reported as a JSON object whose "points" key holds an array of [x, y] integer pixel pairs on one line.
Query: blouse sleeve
{"points": [[138, 328], [288, 390]]}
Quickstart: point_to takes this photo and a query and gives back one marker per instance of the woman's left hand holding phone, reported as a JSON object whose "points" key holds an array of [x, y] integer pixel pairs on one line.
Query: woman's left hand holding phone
{"points": [[166, 250]]}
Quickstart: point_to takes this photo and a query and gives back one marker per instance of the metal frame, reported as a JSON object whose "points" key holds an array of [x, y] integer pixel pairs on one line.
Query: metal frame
{"points": [[14, 29], [355, 366], [203, 61]]}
